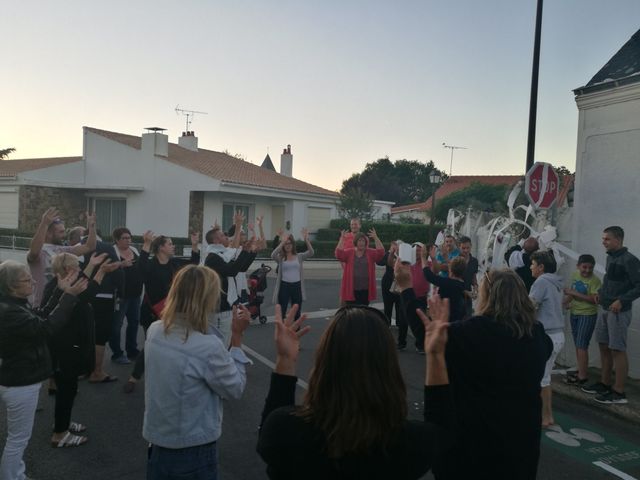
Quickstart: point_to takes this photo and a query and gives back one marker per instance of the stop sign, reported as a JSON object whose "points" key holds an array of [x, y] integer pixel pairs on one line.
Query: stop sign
{"points": [[541, 185]]}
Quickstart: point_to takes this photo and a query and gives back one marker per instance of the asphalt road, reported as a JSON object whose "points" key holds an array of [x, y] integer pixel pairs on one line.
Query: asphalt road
{"points": [[116, 449]]}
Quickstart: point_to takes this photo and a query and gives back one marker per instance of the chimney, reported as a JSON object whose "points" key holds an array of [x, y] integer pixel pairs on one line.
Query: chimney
{"points": [[286, 162], [189, 141], [154, 142]]}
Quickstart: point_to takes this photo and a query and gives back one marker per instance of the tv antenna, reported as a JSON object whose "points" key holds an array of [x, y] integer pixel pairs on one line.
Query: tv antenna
{"points": [[188, 114], [452, 148]]}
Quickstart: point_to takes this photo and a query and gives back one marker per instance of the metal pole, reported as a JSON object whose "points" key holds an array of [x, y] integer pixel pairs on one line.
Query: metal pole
{"points": [[451, 163], [433, 210], [533, 101]]}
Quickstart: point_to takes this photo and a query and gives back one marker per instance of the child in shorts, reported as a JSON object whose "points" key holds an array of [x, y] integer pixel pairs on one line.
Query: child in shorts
{"points": [[581, 297]]}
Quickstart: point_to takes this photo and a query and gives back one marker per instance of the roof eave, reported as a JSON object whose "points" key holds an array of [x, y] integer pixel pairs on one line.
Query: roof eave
{"points": [[278, 190], [607, 85]]}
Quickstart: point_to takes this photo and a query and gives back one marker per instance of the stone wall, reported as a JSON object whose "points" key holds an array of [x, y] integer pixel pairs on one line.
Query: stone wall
{"points": [[196, 209], [34, 201]]}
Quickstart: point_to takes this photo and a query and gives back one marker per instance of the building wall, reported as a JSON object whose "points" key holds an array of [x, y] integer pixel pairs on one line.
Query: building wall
{"points": [[607, 186], [34, 201]]}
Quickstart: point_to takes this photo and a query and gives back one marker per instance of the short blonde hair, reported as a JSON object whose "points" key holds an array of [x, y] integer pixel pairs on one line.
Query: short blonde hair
{"points": [[10, 273], [61, 261], [194, 295]]}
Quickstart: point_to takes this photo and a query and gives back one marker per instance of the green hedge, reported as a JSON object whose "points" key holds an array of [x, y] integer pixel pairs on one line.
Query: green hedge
{"points": [[390, 231]]}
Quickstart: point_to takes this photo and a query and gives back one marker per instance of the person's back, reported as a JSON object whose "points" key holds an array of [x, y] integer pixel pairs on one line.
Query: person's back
{"points": [[496, 379]]}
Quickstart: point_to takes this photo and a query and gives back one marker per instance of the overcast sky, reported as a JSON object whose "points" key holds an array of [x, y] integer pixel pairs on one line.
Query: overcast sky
{"points": [[344, 82]]}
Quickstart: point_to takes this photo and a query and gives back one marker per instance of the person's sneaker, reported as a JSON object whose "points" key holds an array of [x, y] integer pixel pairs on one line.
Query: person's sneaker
{"points": [[402, 346], [574, 380], [420, 351], [598, 388], [611, 397], [121, 360]]}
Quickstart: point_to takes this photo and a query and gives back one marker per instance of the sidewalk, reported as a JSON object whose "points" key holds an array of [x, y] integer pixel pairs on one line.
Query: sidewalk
{"points": [[629, 412]]}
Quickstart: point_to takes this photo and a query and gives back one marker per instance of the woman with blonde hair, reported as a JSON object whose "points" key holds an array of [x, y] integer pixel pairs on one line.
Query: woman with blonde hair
{"points": [[496, 360], [73, 347], [189, 371]]}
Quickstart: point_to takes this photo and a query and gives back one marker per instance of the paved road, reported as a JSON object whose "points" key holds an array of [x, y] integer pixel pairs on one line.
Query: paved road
{"points": [[116, 449]]}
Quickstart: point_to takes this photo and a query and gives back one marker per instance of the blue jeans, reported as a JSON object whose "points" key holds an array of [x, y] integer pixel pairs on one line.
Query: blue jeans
{"points": [[192, 463], [129, 307]]}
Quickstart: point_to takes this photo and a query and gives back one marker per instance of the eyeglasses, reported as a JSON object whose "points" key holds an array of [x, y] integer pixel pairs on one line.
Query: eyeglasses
{"points": [[30, 280], [125, 238]]}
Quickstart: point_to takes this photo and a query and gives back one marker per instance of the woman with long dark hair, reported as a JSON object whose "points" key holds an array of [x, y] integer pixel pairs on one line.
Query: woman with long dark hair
{"points": [[353, 420]]}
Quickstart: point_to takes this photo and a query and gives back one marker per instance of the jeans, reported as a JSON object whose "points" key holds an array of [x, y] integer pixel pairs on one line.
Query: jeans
{"points": [[290, 291], [129, 307], [21, 403], [192, 463]]}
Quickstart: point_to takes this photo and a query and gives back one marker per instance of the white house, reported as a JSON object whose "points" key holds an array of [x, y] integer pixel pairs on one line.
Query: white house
{"points": [[148, 183], [607, 182]]}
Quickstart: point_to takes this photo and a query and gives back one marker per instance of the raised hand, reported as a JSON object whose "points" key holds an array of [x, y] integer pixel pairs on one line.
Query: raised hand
{"points": [[96, 259], [239, 321], [287, 336], [372, 233], [64, 283], [195, 238], [91, 219], [305, 234], [435, 325], [280, 233], [108, 266], [50, 215], [433, 251], [238, 219], [259, 220], [402, 275], [148, 236]]}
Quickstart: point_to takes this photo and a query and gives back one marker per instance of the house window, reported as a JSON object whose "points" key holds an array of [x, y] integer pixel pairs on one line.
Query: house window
{"points": [[110, 213], [228, 210]]}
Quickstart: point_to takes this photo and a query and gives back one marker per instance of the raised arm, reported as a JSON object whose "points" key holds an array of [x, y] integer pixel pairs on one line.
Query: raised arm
{"points": [[277, 252], [305, 236], [238, 220], [262, 238], [92, 238], [48, 217], [374, 236]]}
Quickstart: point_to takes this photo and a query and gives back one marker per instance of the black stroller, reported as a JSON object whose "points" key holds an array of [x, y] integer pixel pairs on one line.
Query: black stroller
{"points": [[257, 285]]}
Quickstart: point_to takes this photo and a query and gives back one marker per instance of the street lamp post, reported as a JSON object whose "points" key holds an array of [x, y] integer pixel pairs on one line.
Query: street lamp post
{"points": [[434, 178]]}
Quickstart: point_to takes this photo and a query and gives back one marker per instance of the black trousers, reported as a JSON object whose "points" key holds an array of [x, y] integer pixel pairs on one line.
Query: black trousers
{"points": [[290, 292], [66, 376], [361, 298]]}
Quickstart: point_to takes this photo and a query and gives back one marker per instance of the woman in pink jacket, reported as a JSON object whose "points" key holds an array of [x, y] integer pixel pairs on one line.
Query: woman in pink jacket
{"points": [[359, 276]]}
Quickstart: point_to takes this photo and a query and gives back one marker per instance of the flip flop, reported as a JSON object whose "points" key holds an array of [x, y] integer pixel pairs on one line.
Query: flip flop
{"points": [[107, 379], [69, 440]]}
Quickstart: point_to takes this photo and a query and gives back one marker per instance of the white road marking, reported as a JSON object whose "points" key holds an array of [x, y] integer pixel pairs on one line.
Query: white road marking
{"points": [[615, 471], [327, 313], [301, 383]]}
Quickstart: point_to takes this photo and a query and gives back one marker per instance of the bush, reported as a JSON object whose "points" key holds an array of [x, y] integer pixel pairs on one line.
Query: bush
{"points": [[328, 234], [393, 231]]}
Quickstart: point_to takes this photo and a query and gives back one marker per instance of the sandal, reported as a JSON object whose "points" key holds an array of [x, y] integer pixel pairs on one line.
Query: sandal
{"points": [[75, 427], [129, 387], [69, 440]]}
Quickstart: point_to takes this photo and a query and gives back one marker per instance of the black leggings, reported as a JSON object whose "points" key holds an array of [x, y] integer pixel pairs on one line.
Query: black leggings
{"points": [[66, 376], [361, 297], [103, 312], [146, 318], [290, 291]]}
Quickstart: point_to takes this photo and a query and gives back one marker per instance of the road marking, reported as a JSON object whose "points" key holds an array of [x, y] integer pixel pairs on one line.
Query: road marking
{"points": [[301, 383], [327, 313], [615, 471]]}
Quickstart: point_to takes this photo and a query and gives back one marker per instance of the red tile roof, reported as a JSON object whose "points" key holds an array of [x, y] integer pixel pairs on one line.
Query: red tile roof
{"points": [[221, 166], [10, 168], [455, 183]]}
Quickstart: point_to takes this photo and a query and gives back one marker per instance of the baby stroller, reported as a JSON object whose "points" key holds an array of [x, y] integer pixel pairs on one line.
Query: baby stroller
{"points": [[257, 286]]}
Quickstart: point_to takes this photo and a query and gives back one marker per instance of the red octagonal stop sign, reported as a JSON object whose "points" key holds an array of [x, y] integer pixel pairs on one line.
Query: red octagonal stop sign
{"points": [[541, 185]]}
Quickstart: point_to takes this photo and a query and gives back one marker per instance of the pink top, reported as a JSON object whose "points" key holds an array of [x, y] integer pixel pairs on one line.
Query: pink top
{"points": [[420, 284], [347, 256]]}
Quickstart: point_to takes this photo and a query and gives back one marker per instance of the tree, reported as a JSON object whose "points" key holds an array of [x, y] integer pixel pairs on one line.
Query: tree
{"points": [[477, 196], [354, 203], [402, 181], [562, 171], [4, 153]]}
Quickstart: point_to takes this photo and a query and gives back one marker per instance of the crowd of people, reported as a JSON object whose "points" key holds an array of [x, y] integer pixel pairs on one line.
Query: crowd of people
{"points": [[490, 342]]}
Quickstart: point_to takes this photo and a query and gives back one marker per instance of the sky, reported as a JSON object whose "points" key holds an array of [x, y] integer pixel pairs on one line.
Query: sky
{"points": [[345, 82]]}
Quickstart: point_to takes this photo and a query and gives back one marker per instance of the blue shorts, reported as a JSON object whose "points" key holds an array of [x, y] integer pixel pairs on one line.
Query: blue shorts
{"points": [[582, 327]]}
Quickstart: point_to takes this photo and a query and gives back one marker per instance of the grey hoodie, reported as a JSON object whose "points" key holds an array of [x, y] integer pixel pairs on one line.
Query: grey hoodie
{"points": [[546, 292]]}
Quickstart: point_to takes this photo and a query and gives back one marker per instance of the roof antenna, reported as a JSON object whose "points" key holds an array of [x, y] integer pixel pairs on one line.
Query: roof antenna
{"points": [[188, 114]]}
